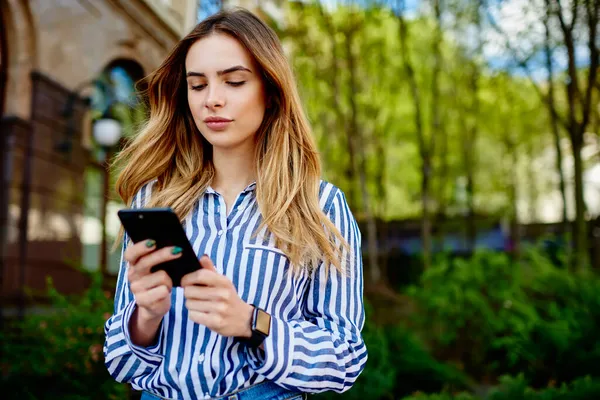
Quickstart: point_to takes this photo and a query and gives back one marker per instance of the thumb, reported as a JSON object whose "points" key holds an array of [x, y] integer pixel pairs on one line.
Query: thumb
{"points": [[207, 263]]}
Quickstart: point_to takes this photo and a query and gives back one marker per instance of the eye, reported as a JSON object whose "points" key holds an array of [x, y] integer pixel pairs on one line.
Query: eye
{"points": [[235, 84], [197, 87]]}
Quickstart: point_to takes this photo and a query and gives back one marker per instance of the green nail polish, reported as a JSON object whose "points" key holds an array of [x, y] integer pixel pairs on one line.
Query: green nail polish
{"points": [[176, 250], [150, 243]]}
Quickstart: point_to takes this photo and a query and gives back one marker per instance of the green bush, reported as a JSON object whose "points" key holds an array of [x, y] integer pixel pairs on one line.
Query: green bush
{"points": [[563, 344], [415, 367], [494, 316], [467, 307], [377, 380], [441, 396], [398, 364], [57, 353], [516, 388]]}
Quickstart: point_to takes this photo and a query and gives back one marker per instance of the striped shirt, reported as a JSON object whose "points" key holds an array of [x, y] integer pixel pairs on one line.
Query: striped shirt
{"points": [[314, 343]]}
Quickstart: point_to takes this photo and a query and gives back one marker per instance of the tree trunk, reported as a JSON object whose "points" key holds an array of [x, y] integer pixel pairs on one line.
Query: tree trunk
{"points": [[471, 141], [581, 256], [532, 189], [515, 237], [554, 123], [436, 118], [355, 132], [579, 101], [350, 170], [423, 148], [442, 186]]}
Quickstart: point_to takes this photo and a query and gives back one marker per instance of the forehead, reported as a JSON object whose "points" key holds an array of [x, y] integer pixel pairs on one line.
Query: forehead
{"points": [[216, 53]]}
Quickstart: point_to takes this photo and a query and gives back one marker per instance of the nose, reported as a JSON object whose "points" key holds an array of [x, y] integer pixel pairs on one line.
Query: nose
{"points": [[214, 97]]}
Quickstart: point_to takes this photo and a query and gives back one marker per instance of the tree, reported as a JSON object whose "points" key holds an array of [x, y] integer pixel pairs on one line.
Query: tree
{"points": [[426, 145], [583, 23], [579, 98]]}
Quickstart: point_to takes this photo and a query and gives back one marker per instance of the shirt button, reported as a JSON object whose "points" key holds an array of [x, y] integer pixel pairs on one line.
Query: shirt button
{"points": [[201, 358], [220, 232]]}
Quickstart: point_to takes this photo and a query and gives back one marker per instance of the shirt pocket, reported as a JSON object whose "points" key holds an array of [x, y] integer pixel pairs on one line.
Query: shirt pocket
{"points": [[267, 269], [271, 268], [261, 247]]}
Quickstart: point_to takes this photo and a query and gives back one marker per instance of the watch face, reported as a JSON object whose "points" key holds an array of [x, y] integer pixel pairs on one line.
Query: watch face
{"points": [[263, 322]]}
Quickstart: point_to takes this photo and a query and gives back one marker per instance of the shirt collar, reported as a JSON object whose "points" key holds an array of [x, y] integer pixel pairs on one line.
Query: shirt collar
{"points": [[250, 188]]}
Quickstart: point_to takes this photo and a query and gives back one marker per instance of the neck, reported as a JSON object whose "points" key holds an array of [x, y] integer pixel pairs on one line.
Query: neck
{"points": [[234, 169]]}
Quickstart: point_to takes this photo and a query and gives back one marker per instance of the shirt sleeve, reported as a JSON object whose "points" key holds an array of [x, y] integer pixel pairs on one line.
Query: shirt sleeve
{"points": [[125, 361], [325, 351]]}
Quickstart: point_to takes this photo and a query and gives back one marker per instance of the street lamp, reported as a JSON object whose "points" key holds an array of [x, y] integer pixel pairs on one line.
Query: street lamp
{"points": [[106, 132]]}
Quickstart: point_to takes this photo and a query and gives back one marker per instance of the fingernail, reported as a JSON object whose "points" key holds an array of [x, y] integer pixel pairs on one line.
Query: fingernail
{"points": [[176, 250], [150, 243]]}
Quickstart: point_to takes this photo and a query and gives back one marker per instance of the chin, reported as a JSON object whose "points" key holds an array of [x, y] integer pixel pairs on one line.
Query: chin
{"points": [[226, 143]]}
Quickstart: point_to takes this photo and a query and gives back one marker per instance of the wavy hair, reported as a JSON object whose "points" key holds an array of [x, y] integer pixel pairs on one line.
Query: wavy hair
{"points": [[171, 150]]}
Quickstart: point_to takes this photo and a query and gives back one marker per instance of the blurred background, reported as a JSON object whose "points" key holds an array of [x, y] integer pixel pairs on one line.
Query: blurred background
{"points": [[465, 134]]}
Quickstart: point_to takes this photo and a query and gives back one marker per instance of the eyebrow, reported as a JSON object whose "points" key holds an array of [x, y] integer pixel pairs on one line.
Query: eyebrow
{"points": [[219, 73]]}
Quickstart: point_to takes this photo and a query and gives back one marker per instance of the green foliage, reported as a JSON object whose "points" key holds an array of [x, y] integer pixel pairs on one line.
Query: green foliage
{"points": [[516, 388], [377, 380], [318, 39], [416, 369], [512, 388], [398, 364], [494, 316], [441, 396], [56, 353]]}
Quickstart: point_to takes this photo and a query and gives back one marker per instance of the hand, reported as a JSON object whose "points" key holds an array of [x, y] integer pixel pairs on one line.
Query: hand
{"points": [[212, 301], [152, 290]]}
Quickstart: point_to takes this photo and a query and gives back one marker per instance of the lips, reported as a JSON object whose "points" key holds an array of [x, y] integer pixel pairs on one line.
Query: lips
{"points": [[217, 123]]}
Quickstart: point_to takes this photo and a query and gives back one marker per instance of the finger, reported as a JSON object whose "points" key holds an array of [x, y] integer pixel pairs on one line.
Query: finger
{"points": [[145, 263], [203, 306], [150, 297], [194, 292], [141, 248], [211, 321], [204, 277], [207, 263], [146, 282]]}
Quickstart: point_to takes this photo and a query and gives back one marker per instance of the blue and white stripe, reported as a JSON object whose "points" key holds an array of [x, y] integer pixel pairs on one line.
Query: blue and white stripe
{"points": [[315, 342]]}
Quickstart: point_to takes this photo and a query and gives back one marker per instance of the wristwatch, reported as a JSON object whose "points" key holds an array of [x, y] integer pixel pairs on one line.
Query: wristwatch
{"points": [[260, 324]]}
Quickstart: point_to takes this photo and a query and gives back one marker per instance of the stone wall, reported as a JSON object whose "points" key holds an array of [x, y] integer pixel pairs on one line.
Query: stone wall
{"points": [[54, 47]]}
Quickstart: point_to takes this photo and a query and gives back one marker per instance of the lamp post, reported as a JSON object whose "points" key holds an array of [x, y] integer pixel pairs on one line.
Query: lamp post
{"points": [[107, 134]]}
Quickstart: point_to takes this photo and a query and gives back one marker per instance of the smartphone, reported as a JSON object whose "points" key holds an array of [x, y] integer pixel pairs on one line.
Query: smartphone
{"points": [[163, 226]]}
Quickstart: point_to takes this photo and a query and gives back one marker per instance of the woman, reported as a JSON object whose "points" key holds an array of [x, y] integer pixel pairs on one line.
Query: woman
{"points": [[276, 311]]}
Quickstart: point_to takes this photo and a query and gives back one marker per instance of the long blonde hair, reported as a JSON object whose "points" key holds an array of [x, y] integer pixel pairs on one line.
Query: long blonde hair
{"points": [[171, 149]]}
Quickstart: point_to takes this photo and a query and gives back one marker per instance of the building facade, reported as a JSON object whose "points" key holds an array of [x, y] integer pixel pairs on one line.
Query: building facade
{"points": [[51, 55]]}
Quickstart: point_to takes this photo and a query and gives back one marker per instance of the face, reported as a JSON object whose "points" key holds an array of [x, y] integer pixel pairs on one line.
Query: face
{"points": [[225, 92]]}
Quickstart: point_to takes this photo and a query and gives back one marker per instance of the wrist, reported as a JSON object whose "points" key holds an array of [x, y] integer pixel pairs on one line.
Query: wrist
{"points": [[246, 329], [143, 328], [257, 328], [146, 318]]}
